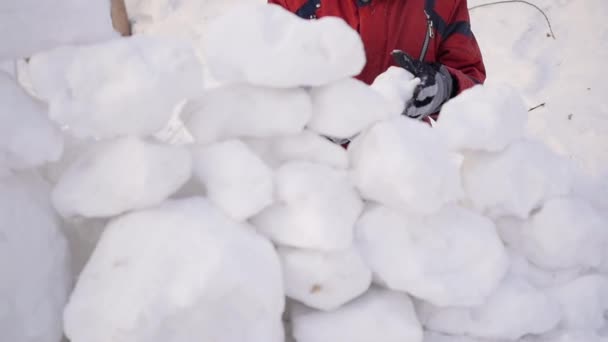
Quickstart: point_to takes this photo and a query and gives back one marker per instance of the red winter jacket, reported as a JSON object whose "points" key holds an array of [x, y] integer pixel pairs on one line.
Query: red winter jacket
{"points": [[434, 30]]}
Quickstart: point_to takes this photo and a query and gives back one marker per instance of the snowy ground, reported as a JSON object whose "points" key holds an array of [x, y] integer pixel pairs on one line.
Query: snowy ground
{"points": [[238, 219], [566, 73]]}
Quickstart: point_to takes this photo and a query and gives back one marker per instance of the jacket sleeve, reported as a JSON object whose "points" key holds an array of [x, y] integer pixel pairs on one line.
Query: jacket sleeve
{"points": [[459, 50]]}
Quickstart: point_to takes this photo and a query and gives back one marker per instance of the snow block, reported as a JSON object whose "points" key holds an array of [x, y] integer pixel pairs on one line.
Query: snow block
{"points": [[317, 207], [179, 272], [379, 315], [30, 26], [236, 179], [121, 87], [27, 137], [453, 258], [34, 263], [266, 45], [239, 111], [324, 280], [114, 177]]}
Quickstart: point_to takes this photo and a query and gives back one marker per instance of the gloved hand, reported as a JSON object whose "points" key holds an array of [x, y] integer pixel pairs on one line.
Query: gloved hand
{"points": [[435, 88]]}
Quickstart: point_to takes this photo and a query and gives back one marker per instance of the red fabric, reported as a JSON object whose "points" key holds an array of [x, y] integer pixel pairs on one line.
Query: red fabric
{"points": [[386, 25]]}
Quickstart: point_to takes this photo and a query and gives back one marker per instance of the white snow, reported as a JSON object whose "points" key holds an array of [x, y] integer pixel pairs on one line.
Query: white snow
{"points": [[484, 118], [179, 272], [29, 26], [430, 336], [405, 164], [516, 181], [237, 111], [306, 146], [379, 315], [121, 175], [27, 137], [568, 336], [9, 67], [583, 302], [236, 180], [565, 73], [120, 87], [317, 208], [515, 309], [34, 265], [494, 233], [453, 258], [186, 20], [324, 280], [397, 86], [566, 233], [344, 108], [273, 47]]}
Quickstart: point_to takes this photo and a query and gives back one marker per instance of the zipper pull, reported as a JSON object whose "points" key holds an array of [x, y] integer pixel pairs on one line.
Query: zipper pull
{"points": [[430, 24]]}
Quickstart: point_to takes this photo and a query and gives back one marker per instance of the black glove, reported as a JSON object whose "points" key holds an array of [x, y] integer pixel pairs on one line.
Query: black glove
{"points": [[435, 88]]}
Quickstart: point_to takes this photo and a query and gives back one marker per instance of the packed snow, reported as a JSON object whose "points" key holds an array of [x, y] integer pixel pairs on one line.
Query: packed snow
{"points": [[324, 280], [30, 26], [235, 178], [185, 184], [112, 88], [316, 208], [277, 49], [27, 137], [34, 262], [122, 175], [379, 315], [194, 276]]}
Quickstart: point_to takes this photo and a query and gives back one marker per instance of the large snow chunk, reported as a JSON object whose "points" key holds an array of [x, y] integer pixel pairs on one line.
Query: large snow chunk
{"points": [[324, 280], [540, 277], [583, 302], [180, 272], [126, 86], [27, 137], [237, 111], [397, 86], [404, 164], [379, 315], [483, 118], [430, 336], [567, 336], [183, 19], [344, 108], [236, 179], [453, 258], [306, 146], [267, 45], [515, 182], [514, 310], [34, 265], [121, 175], [29, 26], [317, 208], [565, 233]]}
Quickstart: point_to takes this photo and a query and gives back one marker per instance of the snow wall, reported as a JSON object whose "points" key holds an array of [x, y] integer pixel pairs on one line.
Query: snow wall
{"points": [[146, 197]]}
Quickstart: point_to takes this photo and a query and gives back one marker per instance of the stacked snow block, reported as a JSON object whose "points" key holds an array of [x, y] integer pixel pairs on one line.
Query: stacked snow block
{"points": [[229, 213]]}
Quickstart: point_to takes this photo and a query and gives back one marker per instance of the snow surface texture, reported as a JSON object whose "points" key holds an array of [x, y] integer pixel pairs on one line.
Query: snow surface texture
{"points": [[29, 26], [277, 49], [121, 175], [27, 137], [469, 232], [195, 276], [112, 88], [34, 265]]}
